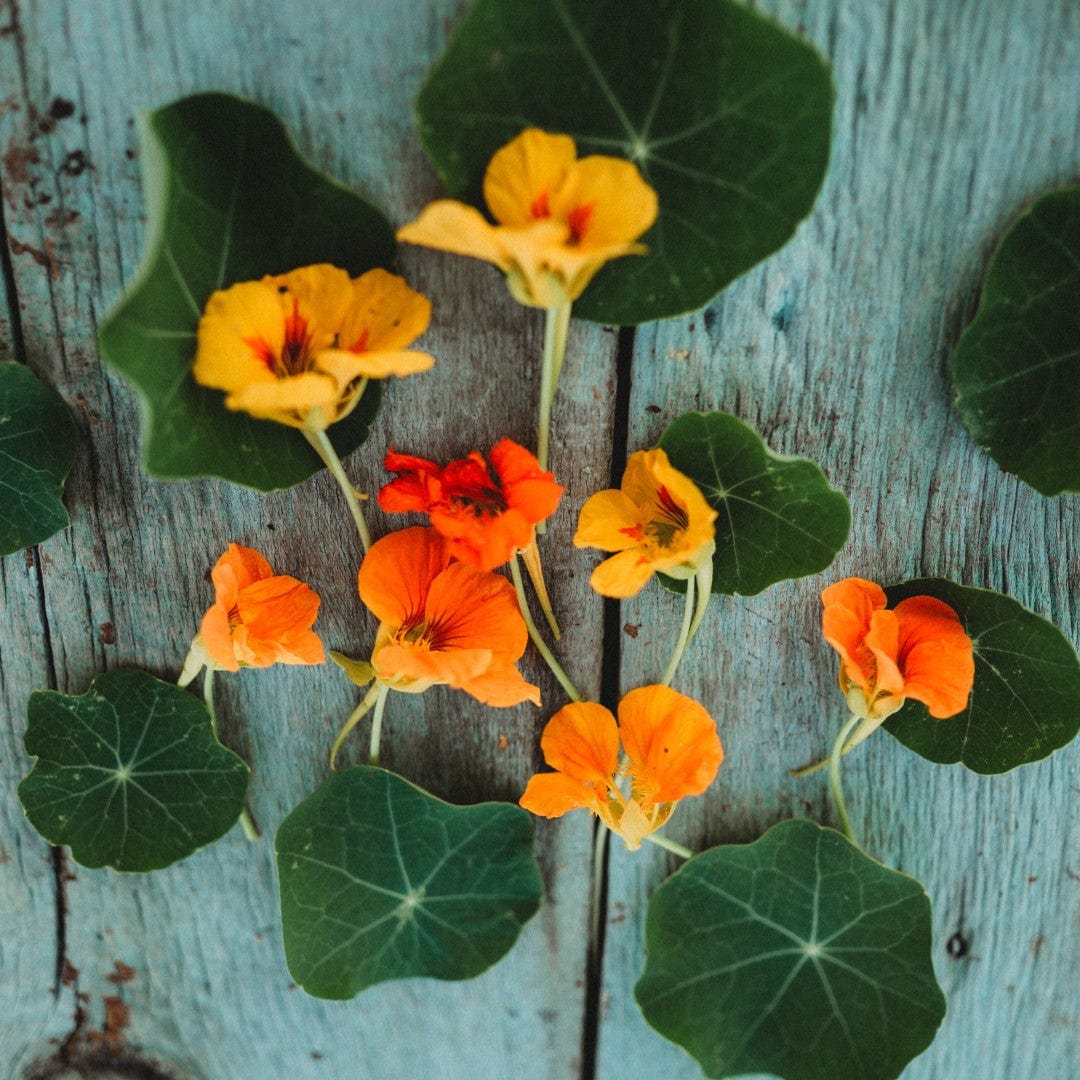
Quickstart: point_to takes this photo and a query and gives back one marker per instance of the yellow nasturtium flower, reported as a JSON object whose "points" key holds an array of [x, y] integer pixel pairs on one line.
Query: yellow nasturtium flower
{"points": [[298, 347], [560, 218]]}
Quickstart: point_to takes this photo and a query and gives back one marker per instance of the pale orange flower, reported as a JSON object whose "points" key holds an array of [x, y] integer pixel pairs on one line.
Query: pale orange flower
{"points": [[672, 751], [298, 348], [658, 520], [918, 650], [443, 621], [560, 218]]}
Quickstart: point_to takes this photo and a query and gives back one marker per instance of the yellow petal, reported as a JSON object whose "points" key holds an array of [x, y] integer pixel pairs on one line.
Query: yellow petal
{"points": [[232, 320], [609, 521], [523, 176], [344, 367], [452, 226], [607, 201], [383, 313], [288, 401], [622, 575]]}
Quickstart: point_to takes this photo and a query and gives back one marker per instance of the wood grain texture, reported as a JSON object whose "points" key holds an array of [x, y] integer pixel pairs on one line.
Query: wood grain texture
{"points": [[950, 117]]}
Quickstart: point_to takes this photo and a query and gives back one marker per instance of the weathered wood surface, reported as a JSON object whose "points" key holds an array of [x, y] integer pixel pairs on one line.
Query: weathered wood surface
{"points": [[949, 117]]}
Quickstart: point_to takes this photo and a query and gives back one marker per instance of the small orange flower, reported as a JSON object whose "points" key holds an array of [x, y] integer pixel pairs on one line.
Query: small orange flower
{"points": [[442, 621], [298, 348], [257, 618], [918, 650], [659, 520], [485, 510], [559, 218], [672, 751]]}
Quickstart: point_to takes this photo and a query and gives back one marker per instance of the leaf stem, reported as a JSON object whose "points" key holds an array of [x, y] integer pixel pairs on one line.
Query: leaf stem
{"points": [[320, 443], [866, 727], [537, 640], [247, 822], [556, 325], [376, 724], [355, 717], [704, 591], [670, 845], [834, 778], [684, 635]]}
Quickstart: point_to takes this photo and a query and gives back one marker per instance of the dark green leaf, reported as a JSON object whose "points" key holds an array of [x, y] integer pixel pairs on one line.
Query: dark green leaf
{"points": [[727, 115], [1026, 700], [1017, 366], [129, 774], [380, 880], [37, 448], [229, 199], [796, 955], [778, 517]]}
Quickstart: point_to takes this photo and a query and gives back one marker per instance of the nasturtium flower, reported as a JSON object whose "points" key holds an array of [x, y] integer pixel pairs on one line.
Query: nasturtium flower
{"points": [[442, 621], [917, 650], [658, 520], [486, 509], [672, 751], [298, 348], [258, 618], [560, 218]]}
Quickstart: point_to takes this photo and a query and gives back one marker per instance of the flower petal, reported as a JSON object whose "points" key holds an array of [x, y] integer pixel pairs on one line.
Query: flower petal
{"points": [[289, 401], [417, 660], [468, 608], [452, 226], [238, 568], [233, 323], [276, 607], [935, 654], [609, 521], [217, 638], [502, 685], [552, 794], [582, 741], [845, 622], [524, 175], [345, 366], [622, 575], [608, 203], [397, 573], [383, 314], [881, 640], [526, 487]]}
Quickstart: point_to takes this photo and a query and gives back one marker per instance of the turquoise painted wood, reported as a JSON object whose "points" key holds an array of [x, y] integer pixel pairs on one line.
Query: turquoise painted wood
{"points": [[949, 117]]}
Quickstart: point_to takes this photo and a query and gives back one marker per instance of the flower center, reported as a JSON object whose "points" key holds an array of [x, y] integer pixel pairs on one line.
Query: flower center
{"points": [[671, 519], [578, 220], [295, 355]]}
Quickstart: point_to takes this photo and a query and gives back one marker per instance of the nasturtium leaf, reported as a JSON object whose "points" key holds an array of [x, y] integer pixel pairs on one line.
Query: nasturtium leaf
{"points": [[796, 955], [380, 880], [1025, 703], [37, 448], [1016, 368], [229, 199], [129, 774], [727, 115], [778, 517]]}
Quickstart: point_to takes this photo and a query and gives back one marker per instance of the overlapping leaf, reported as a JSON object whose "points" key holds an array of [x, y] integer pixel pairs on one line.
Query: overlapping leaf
{"points": [[380, 880], [229, 199], [796, 955], [129, 774], [727, 115], [1026, 700]]}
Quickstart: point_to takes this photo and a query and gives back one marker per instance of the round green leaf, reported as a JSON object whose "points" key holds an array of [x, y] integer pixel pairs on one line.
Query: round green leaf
{"points": [[796, 955], [129, 774], [380, 880], [1016, 369], [37, 448], [1025, 703], [727, 115], [778, 518], [229, 199]]}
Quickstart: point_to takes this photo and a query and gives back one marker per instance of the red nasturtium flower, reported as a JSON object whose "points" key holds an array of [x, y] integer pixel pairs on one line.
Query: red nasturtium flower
{"points": [[672, 751], [486, 510], [258, 618], [442, 621], [918, 650]]}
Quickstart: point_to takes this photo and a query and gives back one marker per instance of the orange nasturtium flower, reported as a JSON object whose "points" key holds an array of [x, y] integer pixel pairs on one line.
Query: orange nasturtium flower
{"points": [[486, 510], [672, 751], [560, 218], [918, 650], [442, 621], [658, 520], [258, 618], [298, 347]]}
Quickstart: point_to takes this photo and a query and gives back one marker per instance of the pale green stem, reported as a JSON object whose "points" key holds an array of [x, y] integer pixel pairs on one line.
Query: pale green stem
{"points": [[530, 556], [247, 822], [556, 325], [866, 727], [537, 640], [376, 724], [601, 837], [322, 446], [670, 845], [834, 778], [684, 635], [355, 717], [704, 591]]}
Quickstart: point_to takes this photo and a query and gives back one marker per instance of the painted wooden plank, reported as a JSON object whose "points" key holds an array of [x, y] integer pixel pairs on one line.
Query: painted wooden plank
{"points": [[207, 990], [950, 117]]}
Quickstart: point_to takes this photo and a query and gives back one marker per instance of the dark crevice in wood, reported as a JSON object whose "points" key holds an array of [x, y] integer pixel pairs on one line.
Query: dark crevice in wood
{"points": [[18, 344], [59, 865]]}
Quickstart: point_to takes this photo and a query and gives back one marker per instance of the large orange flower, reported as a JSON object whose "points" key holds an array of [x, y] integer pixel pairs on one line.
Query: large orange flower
{"points": [[258, 618], [658, 520], [672, 751], [485, 510], [298, 348], [918, 650], [442, 621], [559, 218]]}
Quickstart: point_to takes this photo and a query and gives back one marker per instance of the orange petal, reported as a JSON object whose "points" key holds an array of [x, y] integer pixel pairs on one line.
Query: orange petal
{"points": [[582, 741], [881, 640], [238, 568], [275, 607], [417, 660], [935, 655], [383, 314], [501, 686], [671, 742], [845, 622], [552, 794], [468, 608], [622, 575], [609, 521], [523, 177], [397, 573], [452, 226], [217, 638], [526, 487]]}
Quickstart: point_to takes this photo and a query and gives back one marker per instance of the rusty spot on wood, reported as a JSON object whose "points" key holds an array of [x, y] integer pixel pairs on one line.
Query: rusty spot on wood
{"points": [[61, 108], [68, 973], [504, 742], [958, 946], [29, 558], [60, 218], [631, 629], [17, 161], [117, 1018], [107, 633], [45, 259], [75, 164], [654, 409], [121, 973], [1037, 944]]}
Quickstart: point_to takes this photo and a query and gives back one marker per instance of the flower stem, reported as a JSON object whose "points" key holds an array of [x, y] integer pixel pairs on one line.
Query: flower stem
{"points": [[684, 635], [322, 446], [556, 325], [834, 778], [355, 717], [376, 724], [866, 727], [601, 837], [670, 845], [247, 822], [530, 556], [537, 640], [704, 592]]}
